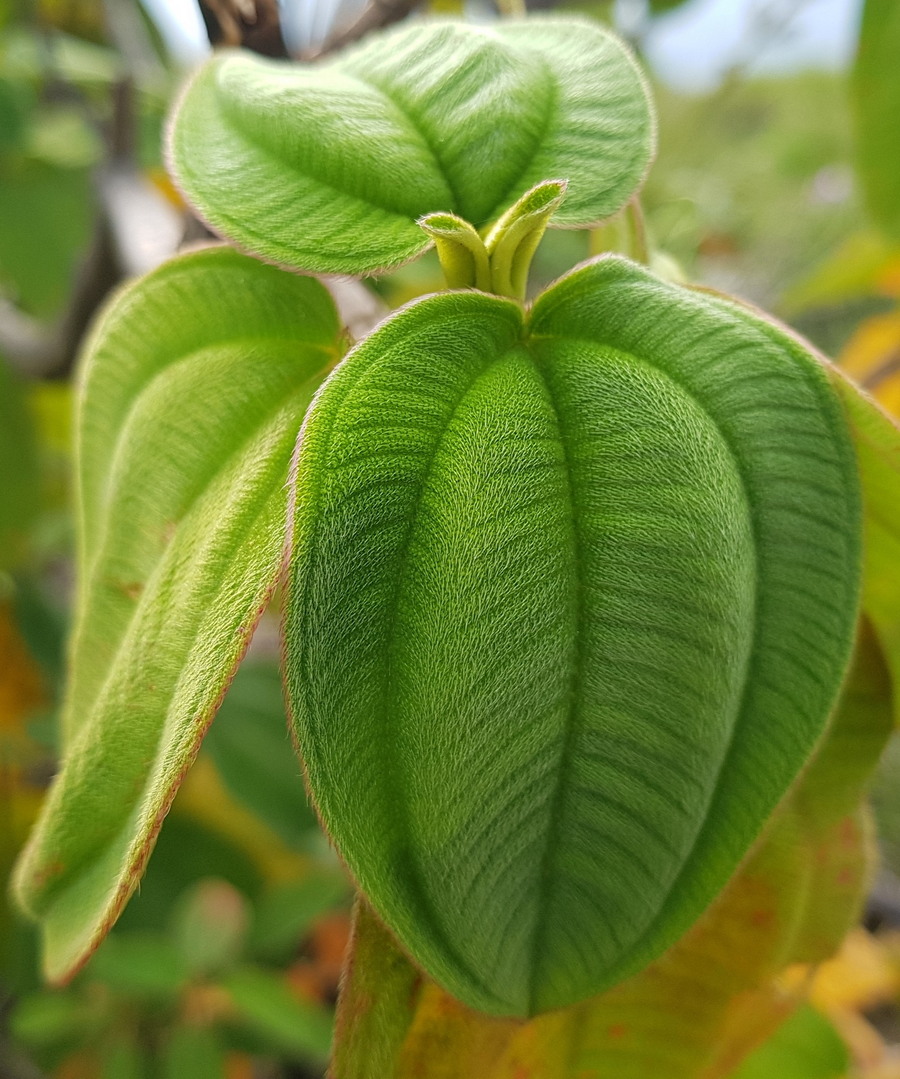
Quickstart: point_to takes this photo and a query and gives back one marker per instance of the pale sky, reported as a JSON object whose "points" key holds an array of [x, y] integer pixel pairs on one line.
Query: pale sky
{"points": [[689, 48], [692, 46]]}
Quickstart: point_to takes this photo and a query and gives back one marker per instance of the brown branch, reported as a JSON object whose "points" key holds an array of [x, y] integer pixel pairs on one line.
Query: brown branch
{"points": [[253, 24], [378, 14]]}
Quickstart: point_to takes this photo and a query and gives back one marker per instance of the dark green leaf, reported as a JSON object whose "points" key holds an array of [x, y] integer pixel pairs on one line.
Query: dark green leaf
{"points": [[570, 603]]}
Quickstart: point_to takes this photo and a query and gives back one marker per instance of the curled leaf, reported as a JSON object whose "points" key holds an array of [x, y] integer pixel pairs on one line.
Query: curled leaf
{"points": [[329, 167], [193, 385]]}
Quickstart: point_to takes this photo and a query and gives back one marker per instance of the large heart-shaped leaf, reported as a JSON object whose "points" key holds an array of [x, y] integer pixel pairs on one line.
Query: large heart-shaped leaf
{"points": [[194, 383], [569, 605], [328, 167], [696, 1011]]}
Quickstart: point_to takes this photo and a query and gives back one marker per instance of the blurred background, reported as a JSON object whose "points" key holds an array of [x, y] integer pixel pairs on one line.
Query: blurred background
{"points": [[778, 179]]}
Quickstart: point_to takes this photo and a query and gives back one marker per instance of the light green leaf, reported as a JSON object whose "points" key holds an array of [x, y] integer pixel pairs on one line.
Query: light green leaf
{"points": [[877, 440], [876, 98], [328, 167], [806, 1047], [194, 383], [569, 605]]}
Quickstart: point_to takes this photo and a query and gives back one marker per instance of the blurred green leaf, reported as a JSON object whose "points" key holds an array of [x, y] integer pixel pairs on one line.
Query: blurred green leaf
{"points": [[852, 271], [660, 7], [26, 55], [805, 1047], [264, 1003], [51, 1018], [45, 223], [283, 914], [123, 1058], [143, 965], [193, 1053], [250, 745], [377, 1002], [876, 437], [210, 926], [185, 853], [18, 471], [876, 100], [61, 136], [16, 101]]}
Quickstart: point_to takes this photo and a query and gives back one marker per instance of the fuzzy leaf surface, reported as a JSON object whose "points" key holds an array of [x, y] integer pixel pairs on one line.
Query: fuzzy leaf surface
{"points": [[717, 993], [569, 605], [194, 383], [328, 167], [877, 440]]}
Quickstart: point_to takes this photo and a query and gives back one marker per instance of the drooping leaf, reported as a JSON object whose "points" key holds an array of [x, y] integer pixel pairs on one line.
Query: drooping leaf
{"points": [[695, 1012], [327, 167], [194, 383], [569, 606], [876, 99]]}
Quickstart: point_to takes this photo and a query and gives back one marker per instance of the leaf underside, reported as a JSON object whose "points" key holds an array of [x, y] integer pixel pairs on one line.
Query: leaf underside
{"points": [[328, 167], [194, 383], [703, 1004], [568, 607]]}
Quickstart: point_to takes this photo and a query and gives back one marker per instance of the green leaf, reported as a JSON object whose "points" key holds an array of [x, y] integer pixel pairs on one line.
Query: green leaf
{"points": [[876, 99], [877, 440], [210, 926], [19, 476], [194, 1051], [194, 383], [283, 916], [710, 998], [328, 167], [144, 966], [264, 1003], [806, 1047], [568, 608]]}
